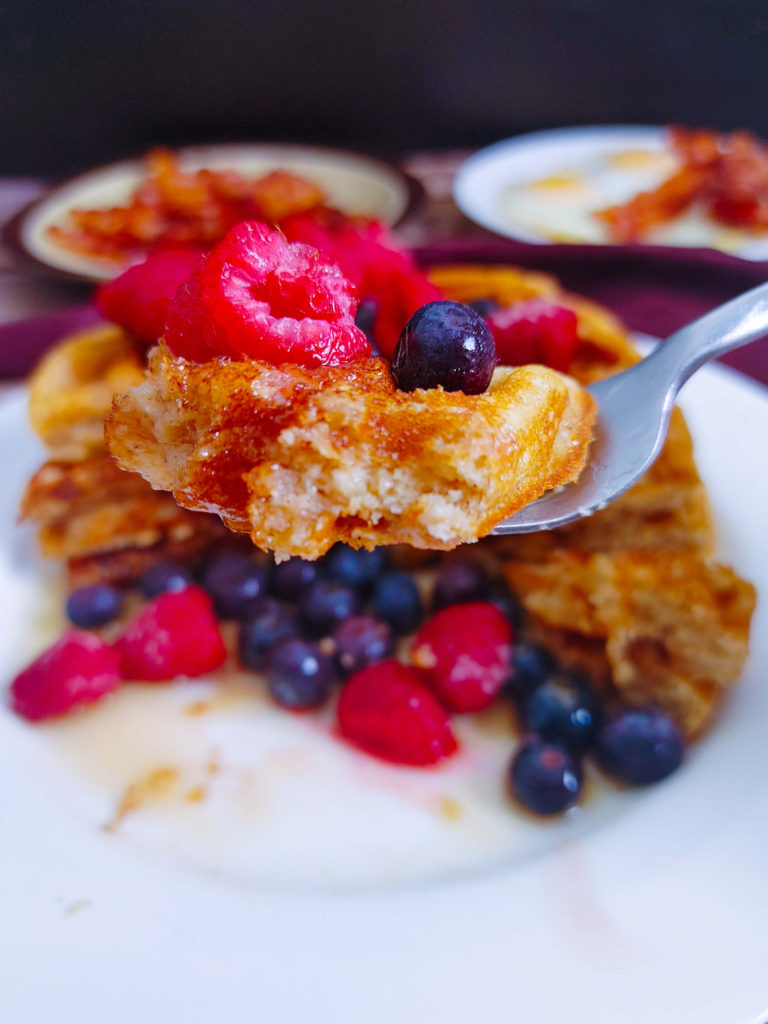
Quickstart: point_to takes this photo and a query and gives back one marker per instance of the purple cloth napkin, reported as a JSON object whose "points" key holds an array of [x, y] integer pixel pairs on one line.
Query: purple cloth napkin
{"points": [[654, 290]]}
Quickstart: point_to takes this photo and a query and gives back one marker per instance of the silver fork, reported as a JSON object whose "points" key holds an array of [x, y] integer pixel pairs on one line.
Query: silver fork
{"points": [[634, 409]]}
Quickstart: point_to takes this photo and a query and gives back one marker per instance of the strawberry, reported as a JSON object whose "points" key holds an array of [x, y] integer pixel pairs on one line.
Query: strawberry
{"points": [[463, 654], [386, 711], [77, 670], [174, 635]]}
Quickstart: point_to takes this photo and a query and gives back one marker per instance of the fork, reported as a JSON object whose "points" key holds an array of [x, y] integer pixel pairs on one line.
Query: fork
{"points": [[634, 409]]}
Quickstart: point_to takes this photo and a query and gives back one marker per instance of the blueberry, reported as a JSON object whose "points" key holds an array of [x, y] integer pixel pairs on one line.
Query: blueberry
{"points": [[92, 606], [360, 641], [445, 344], [357, 569], [509, 606], [458, 582], [564, 711], [545, 777], [290, 579], [396, 600], [484, 306], [165, 576], [639, 745], [236, 584], [325, 605], [272, 623], [365, 317], [532, 665], [299, 675]]}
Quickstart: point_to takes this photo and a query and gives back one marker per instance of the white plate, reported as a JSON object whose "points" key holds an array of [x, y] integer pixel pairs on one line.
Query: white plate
{"points": [[644, 908], [356, 184], [500, 170]]}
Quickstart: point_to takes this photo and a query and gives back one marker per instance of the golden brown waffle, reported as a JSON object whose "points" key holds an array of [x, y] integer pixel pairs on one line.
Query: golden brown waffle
{"points": [[631, 594], [71, 389], [304, 457]]}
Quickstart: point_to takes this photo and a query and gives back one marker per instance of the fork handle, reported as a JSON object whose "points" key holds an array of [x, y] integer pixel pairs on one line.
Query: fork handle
{"points": [[738, 322]]}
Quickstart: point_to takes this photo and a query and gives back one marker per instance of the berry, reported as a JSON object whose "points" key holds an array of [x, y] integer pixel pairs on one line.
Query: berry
{"points": [[236, 584], [396, 600], [89, 607], [563, 711], [499, 594], [325, 605], [458, 582], [360, 641], [535, 331], [463, 653], [259, 296], [176, 634], [164, 576], [445, 344], [532, 665], [639, 745], [365, 317], [138, 299], [386, 711], [484, 307], [545, 777], [380, 269], [77, 670], [272, 623], [290, 579], [356, 569], [299, 675]]}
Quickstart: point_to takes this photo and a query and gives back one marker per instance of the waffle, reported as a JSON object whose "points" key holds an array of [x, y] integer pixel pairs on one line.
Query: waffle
{"points": [[71, 390], [304, 457], [631, 595]]}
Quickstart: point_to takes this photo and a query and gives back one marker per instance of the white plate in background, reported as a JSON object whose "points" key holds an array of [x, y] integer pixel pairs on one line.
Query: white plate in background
{"points": [[356, 184], [492, 189]]}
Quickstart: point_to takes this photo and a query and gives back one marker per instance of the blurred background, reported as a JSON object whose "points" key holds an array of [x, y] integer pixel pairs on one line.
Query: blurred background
{"points": [[83, 83]]}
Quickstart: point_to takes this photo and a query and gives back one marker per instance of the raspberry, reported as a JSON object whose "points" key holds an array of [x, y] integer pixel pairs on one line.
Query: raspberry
{"points": [[139, 298], [79, 669], [376, 265], [386, 711], [535, 331], [174, 635], [259, 296], [463, 653]]}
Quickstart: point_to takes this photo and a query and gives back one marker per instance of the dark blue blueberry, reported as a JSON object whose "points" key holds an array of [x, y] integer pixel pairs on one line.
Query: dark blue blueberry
{"points": [[164, 576], [639, 745], [358, 569], [458, 582], [445, 344], [544, 777], [499, 594], [325, 605], [290, 579], [532, 665], [365, 317], [299, 675], [93, 606], [236, 584], [396, 600], [360, 641], [272, 623], [484, 306], [562, 710]]}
